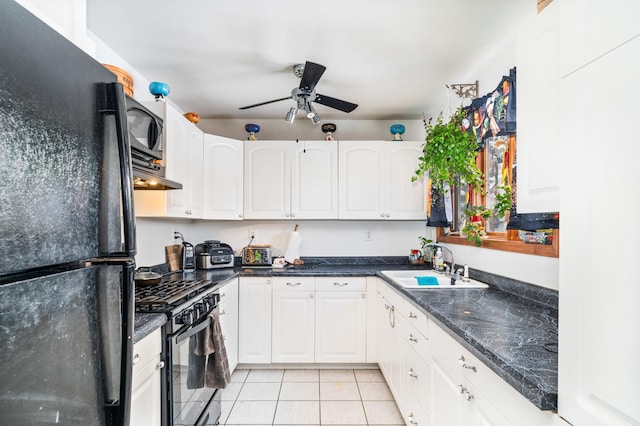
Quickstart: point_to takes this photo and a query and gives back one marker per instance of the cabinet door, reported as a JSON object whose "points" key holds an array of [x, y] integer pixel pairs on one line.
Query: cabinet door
{"points": [[341, 319], [254, 343], [293, 320], [223, 177], [538, 114], [267, 180], [406, 200], [146, 398], [314, 180], [598, 355], [448, 405], [482, 412], [361, 188], [194, 170], [176, 156], [228, 310]]}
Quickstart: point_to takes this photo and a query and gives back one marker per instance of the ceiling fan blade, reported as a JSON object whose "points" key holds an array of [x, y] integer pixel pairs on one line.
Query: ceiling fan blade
{"points": [[265, 103], [311, 75], [335, 103]]}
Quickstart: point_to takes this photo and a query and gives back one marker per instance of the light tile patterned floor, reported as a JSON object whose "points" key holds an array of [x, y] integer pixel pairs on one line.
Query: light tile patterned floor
{"points": [[308, 397]]}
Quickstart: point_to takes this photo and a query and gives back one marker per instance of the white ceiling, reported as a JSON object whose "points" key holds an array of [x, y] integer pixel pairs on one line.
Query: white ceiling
{"points": [[391, 57]]}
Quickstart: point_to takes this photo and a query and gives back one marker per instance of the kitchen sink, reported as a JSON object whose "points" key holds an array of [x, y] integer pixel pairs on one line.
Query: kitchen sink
{"points": [[427, 280]]}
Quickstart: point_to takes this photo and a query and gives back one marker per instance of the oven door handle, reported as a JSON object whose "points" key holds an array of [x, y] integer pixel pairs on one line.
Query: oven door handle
{"points": [[193, 330]]}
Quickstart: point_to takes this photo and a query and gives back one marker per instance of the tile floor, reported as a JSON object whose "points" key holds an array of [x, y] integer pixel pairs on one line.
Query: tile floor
{"points": [[308, 397]]}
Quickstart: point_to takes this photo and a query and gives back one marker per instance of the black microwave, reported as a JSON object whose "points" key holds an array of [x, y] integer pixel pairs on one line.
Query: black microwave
{"points": [[145, 136]]}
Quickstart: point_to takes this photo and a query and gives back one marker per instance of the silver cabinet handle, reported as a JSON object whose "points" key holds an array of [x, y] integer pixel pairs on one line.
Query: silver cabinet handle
{"points": [[388, 215], [364, 296], [223, 294], [469, 396], [224, 312], [461, 361], [268, 282], [381, 214], [392, 316], [411, 421], [386, 306], [340, 284], [312, 295], [293, 215], [462, 389], [240, 215], [136, 359], [412, 315], [160, 365], [412, 373], [293, 284], [412, 339]]}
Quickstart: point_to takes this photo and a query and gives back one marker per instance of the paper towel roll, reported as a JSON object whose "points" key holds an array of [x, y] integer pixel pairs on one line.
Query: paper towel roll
{"points": [[293, 247]]}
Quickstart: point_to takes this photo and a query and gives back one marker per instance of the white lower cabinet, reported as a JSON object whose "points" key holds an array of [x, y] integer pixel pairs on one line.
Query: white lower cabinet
{"points": [[437, 382], [228, 311], [341, 319], [146, 398], [254, 325], [322, 320], [294, 316], [389, 338]]}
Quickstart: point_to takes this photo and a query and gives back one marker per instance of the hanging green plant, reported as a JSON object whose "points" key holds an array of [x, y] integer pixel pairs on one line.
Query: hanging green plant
{"points": [[449, 154]]}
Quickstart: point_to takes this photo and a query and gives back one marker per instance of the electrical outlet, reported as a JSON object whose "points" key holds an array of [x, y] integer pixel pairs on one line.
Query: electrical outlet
{"points": [[368, 235], [253, 234]]}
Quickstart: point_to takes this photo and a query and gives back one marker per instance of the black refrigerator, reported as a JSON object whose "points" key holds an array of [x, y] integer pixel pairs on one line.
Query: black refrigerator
{"points": [[67, 232]]}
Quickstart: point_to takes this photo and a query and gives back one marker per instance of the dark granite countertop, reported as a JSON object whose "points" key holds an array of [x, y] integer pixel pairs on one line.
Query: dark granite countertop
{"points": [[146, 324], [512, 326]]}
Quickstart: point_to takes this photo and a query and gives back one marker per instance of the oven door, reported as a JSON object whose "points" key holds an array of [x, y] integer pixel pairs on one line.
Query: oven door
{"points": [[192, 403]]}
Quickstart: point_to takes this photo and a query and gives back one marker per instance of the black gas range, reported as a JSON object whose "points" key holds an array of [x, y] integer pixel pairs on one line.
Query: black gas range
{"points": [[187, 303]]}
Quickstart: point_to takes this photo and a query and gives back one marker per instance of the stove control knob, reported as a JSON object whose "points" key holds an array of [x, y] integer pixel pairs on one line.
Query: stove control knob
{"points": [[185, 317], [207, 302], [198, 310]]}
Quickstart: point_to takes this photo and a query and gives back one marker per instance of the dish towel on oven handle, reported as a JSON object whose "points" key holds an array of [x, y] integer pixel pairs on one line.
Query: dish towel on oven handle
{"points": [[208, 363]]}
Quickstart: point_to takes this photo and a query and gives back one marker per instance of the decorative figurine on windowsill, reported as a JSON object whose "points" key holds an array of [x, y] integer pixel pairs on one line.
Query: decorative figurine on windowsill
{"points": [[328, 129], [397, 130], [252, 129], [159, 90]]}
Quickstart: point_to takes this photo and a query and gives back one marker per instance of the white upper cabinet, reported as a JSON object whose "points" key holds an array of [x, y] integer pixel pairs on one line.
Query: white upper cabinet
{"points": [[598, 355], [538, 80], [290, 180], [591, 28], [222, 178], [375, 181], [183, 162]]}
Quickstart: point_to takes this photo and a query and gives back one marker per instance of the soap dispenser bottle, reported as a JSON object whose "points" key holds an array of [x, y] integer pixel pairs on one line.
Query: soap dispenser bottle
{"points": [[438, 260]]}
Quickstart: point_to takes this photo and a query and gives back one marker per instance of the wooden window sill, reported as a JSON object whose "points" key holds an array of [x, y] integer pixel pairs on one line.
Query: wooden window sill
{"points": [[506, 242]]}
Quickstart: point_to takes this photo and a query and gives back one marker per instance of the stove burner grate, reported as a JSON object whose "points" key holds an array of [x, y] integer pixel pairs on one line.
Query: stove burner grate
{"points": [[168, 292]]}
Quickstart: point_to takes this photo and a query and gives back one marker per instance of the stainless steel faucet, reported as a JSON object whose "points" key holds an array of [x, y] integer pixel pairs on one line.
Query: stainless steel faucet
{"points": [[453, 263]]}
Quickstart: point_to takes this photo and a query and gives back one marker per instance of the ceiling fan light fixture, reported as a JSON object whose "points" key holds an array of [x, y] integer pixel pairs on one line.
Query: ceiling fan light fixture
{"points": [[315, 118], [291, 115]]}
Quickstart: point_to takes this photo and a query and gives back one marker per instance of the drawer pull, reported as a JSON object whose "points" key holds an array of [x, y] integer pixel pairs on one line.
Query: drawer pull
{"points": [[293, 284], [160, 365], [412, 339], [224, 312], [461, 361], [412, 373], [411, 421], [340, 284], [412, 315], [136, 359], [462, 389]]}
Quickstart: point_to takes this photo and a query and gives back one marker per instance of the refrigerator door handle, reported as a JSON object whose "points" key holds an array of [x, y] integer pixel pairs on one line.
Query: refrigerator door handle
{"points": [[117, 105], [128, 289]]}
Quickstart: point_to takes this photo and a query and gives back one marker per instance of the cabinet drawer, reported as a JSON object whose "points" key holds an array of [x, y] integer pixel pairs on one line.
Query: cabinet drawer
{"points": [[341, 284], [415, 340], [146, 350], [452, 356], [294, 284], [415, 317]]}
